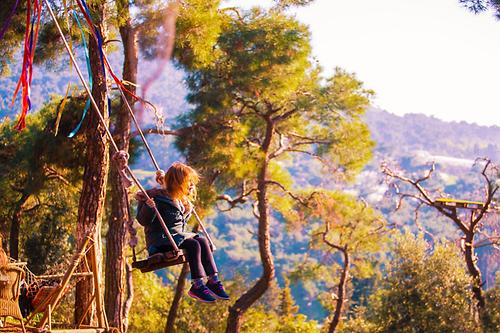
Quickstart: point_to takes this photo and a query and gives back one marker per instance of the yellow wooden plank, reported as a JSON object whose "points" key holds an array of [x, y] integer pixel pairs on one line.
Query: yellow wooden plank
{"points": [[449, 200]]}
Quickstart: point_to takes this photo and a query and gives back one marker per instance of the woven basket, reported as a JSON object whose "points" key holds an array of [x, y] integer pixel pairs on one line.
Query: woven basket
{"points": [[9, 292]]}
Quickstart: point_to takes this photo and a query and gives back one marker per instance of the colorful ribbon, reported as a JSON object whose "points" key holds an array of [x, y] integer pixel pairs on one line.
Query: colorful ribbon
{"points": [[87, 58], [86, 13], [30, 40]]}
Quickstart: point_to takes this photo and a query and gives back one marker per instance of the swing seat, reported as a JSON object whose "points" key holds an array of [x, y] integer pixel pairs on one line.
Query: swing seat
{"points": [[159, 260]]}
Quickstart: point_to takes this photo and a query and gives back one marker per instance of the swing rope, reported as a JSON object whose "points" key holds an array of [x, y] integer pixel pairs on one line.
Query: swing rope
{"points": [[81, 4], [119, 153], [119, 84], [103, 123]]}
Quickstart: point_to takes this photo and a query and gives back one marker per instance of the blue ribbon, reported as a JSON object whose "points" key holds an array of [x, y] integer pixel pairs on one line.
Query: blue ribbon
{"points": [[99, 37], [86, 51]]}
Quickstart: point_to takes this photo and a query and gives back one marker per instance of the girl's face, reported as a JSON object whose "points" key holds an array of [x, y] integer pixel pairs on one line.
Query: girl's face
{"points": [[180, 181], [191, 188]]}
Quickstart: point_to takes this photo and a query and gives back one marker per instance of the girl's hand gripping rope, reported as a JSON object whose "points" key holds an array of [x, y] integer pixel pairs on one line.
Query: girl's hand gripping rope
{"points": [[151, 203]]}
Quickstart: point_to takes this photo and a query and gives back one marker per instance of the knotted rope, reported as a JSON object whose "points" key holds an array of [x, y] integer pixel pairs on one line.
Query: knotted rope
{"points": [[121, 159]]}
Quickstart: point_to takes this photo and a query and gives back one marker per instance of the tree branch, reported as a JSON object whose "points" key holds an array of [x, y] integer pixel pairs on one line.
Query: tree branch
{"points": [[327, 242], [285, 115], [281, 147], [417, 223], [317, 157], [490, 192], [233, 202], [302, 201], [156, 131], [51, 173], [425, 197], [255, 210], [234, 10]]}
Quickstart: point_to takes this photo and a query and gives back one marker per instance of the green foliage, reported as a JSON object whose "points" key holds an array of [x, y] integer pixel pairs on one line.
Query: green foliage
{"points": [[289, 3], [261, 102], [263, 70], [287, 305], [198, 25], [9, 44], [49, 228], [491, 317], [423, 292], [358, 323], [341, 227], [46, 169], [197, 29], [353, 224], [150, 306], [477, 6], [346, 223], [259, 321], [152, 298]]}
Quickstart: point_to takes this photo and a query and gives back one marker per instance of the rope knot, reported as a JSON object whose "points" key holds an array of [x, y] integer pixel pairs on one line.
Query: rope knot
{"points": [[160, 177], [121, 158]]}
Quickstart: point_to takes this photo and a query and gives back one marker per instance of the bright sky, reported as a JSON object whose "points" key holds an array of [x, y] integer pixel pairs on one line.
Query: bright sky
{"points": [[420, 56]]}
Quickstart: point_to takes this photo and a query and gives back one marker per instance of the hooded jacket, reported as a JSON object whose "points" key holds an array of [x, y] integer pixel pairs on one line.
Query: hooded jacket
{"points": [[175, 219]]}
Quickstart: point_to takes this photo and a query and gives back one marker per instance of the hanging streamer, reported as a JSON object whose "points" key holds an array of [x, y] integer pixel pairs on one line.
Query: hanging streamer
{"points": [[86, 13], [30, 40], [22, 78], [60, 109], [86, 51], [122, 88]]}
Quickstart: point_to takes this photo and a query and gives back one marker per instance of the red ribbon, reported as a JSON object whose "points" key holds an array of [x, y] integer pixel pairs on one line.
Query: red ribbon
{"points": [[30, 40]]}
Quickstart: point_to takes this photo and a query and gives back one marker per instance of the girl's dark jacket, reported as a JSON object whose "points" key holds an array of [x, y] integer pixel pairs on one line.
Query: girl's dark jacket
{"points": [[172, 215]]}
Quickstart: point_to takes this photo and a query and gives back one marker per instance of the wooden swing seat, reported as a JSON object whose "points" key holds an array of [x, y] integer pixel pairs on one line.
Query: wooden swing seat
{"points": [[159, 260]]}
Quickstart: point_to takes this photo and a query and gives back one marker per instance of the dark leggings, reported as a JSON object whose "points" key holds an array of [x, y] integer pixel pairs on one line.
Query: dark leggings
{"points": [[199, 256]]}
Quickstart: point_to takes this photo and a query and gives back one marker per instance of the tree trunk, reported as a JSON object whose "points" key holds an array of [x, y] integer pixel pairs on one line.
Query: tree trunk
{"points": [[340, 293], [90, 208], [179, 291], [253, 294], [471, 261], [116, 238], [15, 226]]}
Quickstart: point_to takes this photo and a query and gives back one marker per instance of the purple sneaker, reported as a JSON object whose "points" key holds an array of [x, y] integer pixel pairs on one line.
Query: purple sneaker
{"points": [[201, 294], [217, 290]]}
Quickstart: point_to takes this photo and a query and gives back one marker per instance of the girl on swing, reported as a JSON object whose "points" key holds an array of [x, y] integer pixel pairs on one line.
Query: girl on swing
{"points": [[173, 201]]}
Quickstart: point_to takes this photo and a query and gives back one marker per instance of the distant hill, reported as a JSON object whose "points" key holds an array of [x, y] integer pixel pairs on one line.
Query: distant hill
{"points": [[402, 135]]}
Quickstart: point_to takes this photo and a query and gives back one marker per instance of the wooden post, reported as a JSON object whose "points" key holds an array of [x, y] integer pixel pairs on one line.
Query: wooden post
{"points": [[49, 309]]}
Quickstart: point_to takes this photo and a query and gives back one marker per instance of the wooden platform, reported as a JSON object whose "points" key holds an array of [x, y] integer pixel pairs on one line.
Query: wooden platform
{"points": [[10, 329], [454, 203], [83, 330]]}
